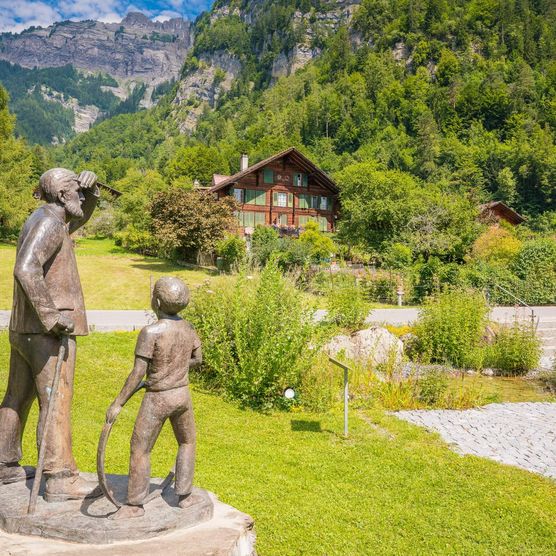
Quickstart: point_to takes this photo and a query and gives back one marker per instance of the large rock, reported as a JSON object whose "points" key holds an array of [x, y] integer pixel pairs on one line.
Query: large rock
{"points": [[374, 346]]}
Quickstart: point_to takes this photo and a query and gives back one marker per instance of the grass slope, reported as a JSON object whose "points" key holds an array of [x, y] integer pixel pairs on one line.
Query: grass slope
{"points": [[390, 489], [111, 277]]}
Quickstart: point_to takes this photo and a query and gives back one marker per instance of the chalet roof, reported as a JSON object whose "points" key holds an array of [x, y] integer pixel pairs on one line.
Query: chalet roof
{"points": [[218, 178], [294, 156], [502, 210]]}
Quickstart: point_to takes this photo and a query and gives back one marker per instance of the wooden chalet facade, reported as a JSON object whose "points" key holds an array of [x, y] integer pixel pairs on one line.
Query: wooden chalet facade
{"points": [[285, 191]]}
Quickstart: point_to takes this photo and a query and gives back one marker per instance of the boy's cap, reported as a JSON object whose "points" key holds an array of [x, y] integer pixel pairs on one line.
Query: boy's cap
{"points": [[172, 294]]}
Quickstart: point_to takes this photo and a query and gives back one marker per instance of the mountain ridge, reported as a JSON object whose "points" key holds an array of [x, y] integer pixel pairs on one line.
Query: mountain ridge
{"points": [[135, 48]]}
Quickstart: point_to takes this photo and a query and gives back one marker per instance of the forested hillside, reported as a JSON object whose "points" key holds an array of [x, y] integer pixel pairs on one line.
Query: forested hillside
{"points": [[460, 95], [20, 169]]}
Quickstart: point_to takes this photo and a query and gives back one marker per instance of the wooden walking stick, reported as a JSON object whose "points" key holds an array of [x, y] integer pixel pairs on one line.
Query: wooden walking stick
{"points": [[47, 424]]}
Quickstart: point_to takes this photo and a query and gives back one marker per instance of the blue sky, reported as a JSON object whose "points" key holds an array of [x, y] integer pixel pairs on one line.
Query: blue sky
{"points": [[16, 15]]}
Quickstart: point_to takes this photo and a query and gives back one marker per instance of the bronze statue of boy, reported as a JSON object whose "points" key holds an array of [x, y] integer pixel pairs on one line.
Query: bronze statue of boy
{"points": [[165, 352]]}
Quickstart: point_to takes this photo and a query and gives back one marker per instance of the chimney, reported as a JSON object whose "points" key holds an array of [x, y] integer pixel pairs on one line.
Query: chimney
{"points": [[243, 162]]}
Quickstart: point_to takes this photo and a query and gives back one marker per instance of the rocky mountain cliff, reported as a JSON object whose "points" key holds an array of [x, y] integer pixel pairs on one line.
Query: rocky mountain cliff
{"points": [[140, 56], [256, 42], [135, 48]]}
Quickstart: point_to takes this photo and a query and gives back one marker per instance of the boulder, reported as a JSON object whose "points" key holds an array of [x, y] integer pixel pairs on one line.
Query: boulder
{"points": [[374, 346], [341, 345]]}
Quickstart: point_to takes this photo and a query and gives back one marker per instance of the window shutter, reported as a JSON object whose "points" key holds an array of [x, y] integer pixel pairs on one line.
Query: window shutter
{"points": [[290, 199], [274, 198], [305, 180], [268, 175]]}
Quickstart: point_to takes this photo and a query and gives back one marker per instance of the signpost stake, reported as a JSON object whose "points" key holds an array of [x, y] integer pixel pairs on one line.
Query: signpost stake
{"points": [[346, 391], [346, 398]]}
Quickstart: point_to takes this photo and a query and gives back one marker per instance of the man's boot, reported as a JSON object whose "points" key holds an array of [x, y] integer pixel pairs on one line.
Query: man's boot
{"points": [[64, 486], [14, 473]]}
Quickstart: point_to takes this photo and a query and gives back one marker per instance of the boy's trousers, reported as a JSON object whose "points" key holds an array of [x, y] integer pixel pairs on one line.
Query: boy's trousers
{"points": [[156, 407]]}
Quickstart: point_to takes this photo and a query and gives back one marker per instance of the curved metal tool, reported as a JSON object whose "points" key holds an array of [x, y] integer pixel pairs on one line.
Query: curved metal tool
{"points": [[101, 453]]}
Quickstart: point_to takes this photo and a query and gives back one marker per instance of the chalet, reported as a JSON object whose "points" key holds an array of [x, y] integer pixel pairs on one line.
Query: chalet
{"points": [[285, 191], [495, 211]]}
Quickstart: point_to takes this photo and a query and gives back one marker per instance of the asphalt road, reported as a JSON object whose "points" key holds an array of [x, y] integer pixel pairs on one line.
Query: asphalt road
{"points": [[108, 321]]}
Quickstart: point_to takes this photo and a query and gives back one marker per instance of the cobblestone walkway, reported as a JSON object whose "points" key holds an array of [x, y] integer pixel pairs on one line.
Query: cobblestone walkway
{"points": [[521, 434]]}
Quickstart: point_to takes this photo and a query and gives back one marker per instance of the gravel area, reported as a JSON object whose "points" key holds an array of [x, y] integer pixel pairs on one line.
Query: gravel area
{"points": [[520, 434]]}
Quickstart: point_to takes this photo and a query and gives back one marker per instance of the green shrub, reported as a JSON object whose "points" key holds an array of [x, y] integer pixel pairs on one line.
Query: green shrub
{"points": [[451, 326], [380, 287], [264, 243], [345, 304], [398, 256], [431, 276], [320, 246], [293, 254], [535, 264], [232, 249], [515, 351], [137, 240], [255, 337], [432, 387]]}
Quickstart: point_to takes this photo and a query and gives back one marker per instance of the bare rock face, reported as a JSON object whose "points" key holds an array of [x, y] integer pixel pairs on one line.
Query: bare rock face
{"points": [[375, 346], [135, 48], [204, 86]]}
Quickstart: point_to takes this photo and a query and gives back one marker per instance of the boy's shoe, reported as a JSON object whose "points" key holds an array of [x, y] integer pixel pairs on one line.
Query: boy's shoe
{"points": [[72, 487], [14, 473]]}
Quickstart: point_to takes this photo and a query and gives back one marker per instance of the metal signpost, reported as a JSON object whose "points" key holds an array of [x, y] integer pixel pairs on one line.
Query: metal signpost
{"points": [[346, 391]]}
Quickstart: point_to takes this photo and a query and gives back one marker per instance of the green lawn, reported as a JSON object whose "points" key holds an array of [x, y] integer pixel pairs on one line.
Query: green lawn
{"points": [[390, 489], [111, 277]]}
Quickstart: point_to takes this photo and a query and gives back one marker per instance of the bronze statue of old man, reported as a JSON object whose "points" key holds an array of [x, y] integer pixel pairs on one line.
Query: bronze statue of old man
{"points": [[47, 303]]}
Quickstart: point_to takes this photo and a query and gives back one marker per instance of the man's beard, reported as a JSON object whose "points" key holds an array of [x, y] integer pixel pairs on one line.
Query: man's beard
{"points": [[73, 208]]}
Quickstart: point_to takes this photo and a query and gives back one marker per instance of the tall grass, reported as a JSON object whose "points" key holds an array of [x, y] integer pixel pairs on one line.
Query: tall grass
{"points": [[256, 334], [515, 350], [451, 326]]}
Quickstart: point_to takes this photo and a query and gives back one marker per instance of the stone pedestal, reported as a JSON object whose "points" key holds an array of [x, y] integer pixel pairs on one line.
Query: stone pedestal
{"points": [[81, 527]]}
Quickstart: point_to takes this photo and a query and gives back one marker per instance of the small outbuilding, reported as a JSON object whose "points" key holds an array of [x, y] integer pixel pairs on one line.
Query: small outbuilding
{"points": [[495, 211]]}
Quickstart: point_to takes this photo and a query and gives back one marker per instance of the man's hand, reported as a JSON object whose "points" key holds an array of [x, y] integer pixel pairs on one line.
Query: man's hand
{"points": [[63, 326], [113, 412], [87, 180]]}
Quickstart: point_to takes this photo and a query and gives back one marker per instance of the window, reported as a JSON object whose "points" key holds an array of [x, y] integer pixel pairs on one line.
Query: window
{"points": [[300, 180], [282, 219], [302, 222], [280, 199], [255, 197], [323, 223], [323, 203], [251, 219], [304, 201], [268, 175], [239, 194]]}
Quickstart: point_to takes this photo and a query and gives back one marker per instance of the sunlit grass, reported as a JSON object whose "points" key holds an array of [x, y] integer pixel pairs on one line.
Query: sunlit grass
{"points": [[111, 277], [389, 489]]}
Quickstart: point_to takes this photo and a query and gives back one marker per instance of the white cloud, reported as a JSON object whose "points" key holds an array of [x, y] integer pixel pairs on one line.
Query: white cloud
{"points": [[166, 15], [16, 15]]}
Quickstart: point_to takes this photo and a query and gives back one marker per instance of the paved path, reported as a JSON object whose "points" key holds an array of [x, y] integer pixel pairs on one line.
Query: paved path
{"points": [[520, 434], [131, 320], [105, 321]]}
